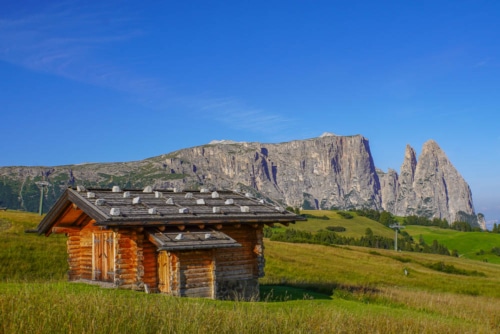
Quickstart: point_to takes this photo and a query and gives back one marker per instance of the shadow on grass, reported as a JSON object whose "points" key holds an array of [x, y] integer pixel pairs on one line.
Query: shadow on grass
{"points": [[308, 291], [283, 293]]}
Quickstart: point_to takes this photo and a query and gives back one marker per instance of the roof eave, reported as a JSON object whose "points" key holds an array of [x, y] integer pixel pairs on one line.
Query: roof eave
{"points": [[67, 198]]}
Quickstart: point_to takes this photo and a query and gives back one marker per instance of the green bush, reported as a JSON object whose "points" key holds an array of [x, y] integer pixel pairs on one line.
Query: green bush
{"points": [[451, 269], [345, 215], [336, 228], [496, 251]]}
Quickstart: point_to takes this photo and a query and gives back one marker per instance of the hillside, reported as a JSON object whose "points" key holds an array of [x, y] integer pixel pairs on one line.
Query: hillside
{"points": [[470, 245], [307, 289]]}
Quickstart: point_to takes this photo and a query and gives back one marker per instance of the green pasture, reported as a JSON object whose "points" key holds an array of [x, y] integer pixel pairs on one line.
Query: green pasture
{"points": [[471, 245], [355, 227], [307, 289]]}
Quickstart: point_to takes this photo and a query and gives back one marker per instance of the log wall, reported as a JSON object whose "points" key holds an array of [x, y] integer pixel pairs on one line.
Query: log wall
{"points": [[223, 273], [150, 264], [238, 269], [74, 256], [196, 273], [129, 259]]}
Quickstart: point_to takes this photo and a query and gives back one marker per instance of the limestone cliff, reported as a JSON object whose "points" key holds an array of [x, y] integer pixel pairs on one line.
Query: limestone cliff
{"points": [[320, 173]]}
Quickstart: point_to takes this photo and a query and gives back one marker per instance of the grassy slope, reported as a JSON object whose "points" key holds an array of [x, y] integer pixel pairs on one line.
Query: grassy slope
{"points": [[468, 244], [29, 256], [354, 289], [355, 227]]}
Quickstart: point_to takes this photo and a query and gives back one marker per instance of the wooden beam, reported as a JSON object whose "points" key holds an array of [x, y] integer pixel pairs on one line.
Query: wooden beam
{"points": [[218, 226], [201, 226], [140, 229], [237, 225], [161, 228], [181, 227], [75, 207], [65, 229]]}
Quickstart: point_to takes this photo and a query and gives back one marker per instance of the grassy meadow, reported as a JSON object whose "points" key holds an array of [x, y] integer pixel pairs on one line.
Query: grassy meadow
{"points": [[307, 289], [471, 245]]}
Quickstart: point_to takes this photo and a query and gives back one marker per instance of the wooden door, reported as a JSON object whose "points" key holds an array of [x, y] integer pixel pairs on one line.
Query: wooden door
{"points": [[103, 256], [164, 264]]}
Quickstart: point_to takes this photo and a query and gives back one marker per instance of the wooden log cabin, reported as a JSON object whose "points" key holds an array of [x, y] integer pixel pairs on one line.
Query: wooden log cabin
{"points": [[191, 243]]}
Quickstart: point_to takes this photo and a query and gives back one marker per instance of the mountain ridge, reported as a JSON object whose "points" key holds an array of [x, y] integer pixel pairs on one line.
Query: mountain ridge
{"points": [[326, 172]]}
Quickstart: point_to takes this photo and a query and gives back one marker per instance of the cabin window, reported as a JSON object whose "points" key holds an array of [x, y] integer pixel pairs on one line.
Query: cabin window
{"points": [[103, 256]]}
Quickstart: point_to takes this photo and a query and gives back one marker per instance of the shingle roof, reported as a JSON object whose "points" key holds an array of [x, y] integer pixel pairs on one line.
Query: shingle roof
{"points": [[148, 207], [190, 240]]}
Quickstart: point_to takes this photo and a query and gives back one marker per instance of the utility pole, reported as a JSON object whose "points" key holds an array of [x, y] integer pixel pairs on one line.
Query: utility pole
{"points": [[41, 185], [396, 228]]}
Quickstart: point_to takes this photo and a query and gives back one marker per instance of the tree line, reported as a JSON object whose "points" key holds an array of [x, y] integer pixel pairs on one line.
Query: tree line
{"points": [[387, 219], [329, 238]]}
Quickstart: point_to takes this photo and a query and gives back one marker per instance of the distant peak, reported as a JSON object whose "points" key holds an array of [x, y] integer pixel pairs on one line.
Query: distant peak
{"points": [[327, 134], [431, 146]]}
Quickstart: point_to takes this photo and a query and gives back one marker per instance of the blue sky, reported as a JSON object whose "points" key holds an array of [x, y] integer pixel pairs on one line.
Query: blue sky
{"points": [[106, 81]]}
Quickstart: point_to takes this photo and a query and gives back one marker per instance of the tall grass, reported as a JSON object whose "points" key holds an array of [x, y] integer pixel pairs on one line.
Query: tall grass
{"points": [[307, 289], [28, 256], [74, 308]]}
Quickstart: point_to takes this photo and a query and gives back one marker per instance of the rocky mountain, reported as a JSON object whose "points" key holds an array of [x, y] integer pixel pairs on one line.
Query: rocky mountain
{"points": [[319, 173], [429, 186]]}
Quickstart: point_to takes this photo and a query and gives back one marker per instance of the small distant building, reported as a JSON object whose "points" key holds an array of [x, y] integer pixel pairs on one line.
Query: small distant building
{"points": [[198, 244]]}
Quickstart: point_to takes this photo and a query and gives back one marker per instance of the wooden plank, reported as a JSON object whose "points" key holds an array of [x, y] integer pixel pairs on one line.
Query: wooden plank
{"points": [[61, 229], [204, 292], [236, 269]]}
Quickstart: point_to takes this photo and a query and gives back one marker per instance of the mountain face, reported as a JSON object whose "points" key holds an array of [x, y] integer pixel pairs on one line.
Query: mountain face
{"points": [[431, 187], [329, 172]]}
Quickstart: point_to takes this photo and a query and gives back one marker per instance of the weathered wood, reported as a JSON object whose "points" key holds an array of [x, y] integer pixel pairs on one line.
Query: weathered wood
{"points": [[129, 266], [196, 292], [62, 229]]}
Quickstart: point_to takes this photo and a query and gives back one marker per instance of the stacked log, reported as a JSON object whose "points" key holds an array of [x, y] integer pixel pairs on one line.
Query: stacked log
{"points": [[86, 261], [196, 273], [150, 264], [126, 259], [238, 263], [74, 255]]}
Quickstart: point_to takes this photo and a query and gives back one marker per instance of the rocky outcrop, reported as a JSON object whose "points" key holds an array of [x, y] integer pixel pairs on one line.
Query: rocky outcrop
{"points": [[431, 187], [320, 173], [329, 172]]}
